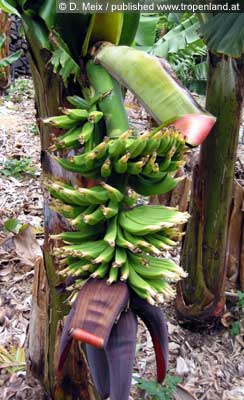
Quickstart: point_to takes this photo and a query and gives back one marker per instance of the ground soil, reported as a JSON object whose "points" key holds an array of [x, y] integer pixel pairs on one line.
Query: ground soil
{"points": [[210, 361]]}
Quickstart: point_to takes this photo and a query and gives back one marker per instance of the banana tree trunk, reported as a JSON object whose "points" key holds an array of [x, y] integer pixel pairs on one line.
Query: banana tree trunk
{"points": [[201, 294], [4, 51], [49, 301]]}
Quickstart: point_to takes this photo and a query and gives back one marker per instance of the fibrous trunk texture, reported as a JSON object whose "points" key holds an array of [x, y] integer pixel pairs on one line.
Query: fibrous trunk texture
{"points": [[201, 294]]}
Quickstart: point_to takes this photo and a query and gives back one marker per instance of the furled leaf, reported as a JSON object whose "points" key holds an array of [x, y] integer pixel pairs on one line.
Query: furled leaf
{"points": [[224, 34]]}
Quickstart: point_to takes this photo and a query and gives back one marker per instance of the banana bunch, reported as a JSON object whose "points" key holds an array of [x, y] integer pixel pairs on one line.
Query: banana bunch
{"points": [[149, 159], [78, 122], [110, 236], [83, 206], [124, 248]]}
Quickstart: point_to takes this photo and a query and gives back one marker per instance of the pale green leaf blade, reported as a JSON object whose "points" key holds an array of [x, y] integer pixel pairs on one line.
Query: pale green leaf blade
{"points": [[151, 80], [146, 32]]}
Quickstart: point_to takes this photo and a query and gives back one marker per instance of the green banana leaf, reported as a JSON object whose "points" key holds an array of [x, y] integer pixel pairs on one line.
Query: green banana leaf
{"points": [[224, 34], [146, 32], [178, 38], [129, 28]]}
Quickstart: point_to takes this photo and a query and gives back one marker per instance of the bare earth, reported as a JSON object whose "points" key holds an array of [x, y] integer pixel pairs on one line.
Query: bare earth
{"points": [[210, 361]]}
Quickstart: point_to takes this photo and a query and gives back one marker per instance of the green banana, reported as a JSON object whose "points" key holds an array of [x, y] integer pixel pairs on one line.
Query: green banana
{"points": [[164, 144], [79, 222], [143, 186], [150, 165], [78, 102], [154, 240], [95, 116], [56, 190], [105, 256], [86, 132], [76, 196], [135, 168], [164, 163], [101, 149], [141, 244], [101, 271], [120, 257], [117, 146], [111, 232], [131, 198], [162, 287], [111, 210], [94, 195], [71, 166], [70, 139], [124, 271], [106, 168], [166, 240], [122, 242], [95, 217], [113, 276], [66, 210], [120, 165], [113, 193], [88, 250], [76, 237], [136, 145], [76, 114], [61, 121], [137, 282], [147, 272]]}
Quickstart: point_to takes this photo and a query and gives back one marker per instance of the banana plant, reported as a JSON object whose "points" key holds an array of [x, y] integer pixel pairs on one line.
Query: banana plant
{"points": [[100, 245], [201, 297]]}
